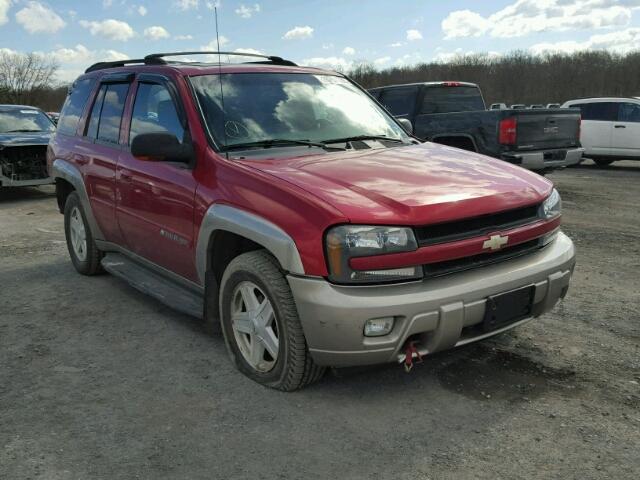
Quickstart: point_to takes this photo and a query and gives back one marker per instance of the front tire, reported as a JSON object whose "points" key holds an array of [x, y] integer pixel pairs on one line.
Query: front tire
{"points": [[83, 251], [261, 326], [602, 163]]}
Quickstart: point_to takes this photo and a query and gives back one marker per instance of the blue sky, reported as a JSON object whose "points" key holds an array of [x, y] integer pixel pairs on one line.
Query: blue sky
{"points": [[328, 33]]}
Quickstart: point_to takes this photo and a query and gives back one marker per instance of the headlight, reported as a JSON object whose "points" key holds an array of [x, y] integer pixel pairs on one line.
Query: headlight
{"points": [[552, 206], [348, 241]]}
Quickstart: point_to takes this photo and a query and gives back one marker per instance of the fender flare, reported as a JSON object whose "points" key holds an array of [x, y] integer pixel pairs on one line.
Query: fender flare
{"points": [[69, 172], [248, 225]]}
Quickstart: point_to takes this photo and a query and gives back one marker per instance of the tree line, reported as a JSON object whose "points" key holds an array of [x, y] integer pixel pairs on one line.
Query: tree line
{"points": [[522, 77], [517, 77]]}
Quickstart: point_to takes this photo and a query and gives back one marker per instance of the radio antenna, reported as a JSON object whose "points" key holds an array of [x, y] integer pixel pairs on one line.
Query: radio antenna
{"points": [[224, 122]]}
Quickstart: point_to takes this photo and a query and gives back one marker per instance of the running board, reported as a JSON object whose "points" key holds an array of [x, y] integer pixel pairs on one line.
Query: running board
{"points": [[153, 284]]}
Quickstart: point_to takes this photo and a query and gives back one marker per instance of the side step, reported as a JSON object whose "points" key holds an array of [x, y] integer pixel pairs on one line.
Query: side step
{"points": [[151, 283]]}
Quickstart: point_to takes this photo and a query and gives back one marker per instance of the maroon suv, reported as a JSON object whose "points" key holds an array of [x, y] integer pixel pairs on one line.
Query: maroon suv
{"points": [[285, 205]]}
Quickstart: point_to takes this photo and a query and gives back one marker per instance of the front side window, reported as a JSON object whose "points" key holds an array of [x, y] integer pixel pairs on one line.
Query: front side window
{"points": [[24, 120], [155, 112], [629, 112], [74, 106], [399, 101], [290, 106]]}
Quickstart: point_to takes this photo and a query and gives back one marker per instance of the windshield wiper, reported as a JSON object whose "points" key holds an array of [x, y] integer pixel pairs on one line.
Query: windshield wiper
{"points": [[279, 142], [363, 137], [23, 130]]}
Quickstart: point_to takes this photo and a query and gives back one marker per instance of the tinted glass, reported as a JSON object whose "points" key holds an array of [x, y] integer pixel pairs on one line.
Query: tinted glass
{"points": [[443, 99], [74, 106], [291, 106], [399, 101], [155, 112], [111, 114], [94, 118], [24, 120], [602, 111], [629, 112]]}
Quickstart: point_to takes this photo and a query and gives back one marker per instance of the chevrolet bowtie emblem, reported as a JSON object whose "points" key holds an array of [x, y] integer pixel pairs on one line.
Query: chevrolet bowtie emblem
{"points": [[496, 242]]}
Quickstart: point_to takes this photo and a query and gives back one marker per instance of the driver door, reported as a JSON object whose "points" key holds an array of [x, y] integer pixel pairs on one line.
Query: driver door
{"points": [[155, 199]]}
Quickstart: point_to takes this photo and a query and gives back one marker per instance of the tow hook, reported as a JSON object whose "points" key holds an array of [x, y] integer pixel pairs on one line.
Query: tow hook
{"points": [[409, 350]]}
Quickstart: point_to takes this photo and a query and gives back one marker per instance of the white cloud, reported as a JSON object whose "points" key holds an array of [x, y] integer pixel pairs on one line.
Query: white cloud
{"points": [[187, 4], [111, 29], [379, 62], [396, 44], [247, 12], [327, 46], [4, 8], [156, 32], [622, 41], [142, 10], [38, 18], [107, 3], [524, 17], [333, 63], [248, 50], [73, 61], [212, 46], [413, 35], [349, 51], [183, 37], [298, 33]]}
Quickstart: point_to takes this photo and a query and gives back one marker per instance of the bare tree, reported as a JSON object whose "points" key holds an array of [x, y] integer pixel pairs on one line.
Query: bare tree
{"points": [[22, 75]]}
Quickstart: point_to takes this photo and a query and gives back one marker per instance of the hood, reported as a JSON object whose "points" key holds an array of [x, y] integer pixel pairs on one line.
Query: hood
{"points": [[412, 185], [21, 139]]}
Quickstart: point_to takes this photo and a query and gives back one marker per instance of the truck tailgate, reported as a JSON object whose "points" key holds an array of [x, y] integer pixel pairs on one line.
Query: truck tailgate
{"points": [[548, 129]]}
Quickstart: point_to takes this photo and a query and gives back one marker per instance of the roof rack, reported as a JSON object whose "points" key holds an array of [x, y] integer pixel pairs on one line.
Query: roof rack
{"points": [[158, 59]]}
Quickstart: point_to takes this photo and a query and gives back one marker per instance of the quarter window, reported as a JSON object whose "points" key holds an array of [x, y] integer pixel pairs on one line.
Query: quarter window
{"points": [[155, 112], [74, 106]]}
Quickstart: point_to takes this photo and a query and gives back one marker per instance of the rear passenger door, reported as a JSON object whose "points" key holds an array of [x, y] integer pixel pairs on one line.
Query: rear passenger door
{"points": [[401, 101], [597, 126], [156, 198], [100, 149], [626, 131]]}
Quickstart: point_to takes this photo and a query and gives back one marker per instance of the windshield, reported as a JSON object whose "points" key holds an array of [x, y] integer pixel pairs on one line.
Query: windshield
{"points": [[24, 120], [289, 106]]}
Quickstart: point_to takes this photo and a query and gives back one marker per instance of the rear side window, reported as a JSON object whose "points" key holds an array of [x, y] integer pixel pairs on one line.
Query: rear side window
{"points": [[601, 111], [74, 106], [629, 112], [444, 99], [106, 115], [399, 101], [155, 112]]}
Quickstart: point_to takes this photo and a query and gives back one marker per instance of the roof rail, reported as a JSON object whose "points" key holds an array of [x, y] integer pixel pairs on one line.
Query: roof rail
{"points": [[117, 63], [157, 58]]}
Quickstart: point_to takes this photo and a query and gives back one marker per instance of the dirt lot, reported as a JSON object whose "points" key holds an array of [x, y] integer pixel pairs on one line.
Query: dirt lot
{"points": [[99, 381]]}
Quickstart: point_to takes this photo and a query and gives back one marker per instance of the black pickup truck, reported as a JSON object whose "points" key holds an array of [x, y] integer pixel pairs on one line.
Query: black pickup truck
{"points": [[454, 114]]}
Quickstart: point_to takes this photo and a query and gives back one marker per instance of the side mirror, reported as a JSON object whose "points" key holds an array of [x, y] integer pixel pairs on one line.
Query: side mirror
{"points": [[406, 124], [161, 147]]}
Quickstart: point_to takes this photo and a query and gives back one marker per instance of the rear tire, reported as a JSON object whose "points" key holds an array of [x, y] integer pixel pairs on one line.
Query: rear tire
{"points": [[83, 251], [602, 163], [261, 326]]}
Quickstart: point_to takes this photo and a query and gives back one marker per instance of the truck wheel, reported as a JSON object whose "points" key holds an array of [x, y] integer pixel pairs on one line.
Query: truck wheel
{"points": [[603, 163], [260, 324], [84, 254]]}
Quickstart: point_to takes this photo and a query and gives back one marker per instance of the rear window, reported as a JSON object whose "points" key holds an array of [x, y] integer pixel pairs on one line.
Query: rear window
{"points": [[399, 101], [74, 106], [443, 99], [106, 115], [600, 111]]}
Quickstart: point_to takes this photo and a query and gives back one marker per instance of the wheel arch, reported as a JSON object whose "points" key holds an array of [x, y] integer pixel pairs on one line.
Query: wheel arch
{"points": [[460, 140]]}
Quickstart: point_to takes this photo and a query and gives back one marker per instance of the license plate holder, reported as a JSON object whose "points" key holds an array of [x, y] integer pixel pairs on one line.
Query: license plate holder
{"points": [[509, 307]]}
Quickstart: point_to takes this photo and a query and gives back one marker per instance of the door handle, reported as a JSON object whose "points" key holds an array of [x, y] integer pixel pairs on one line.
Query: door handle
{"points": [[620, 126]]}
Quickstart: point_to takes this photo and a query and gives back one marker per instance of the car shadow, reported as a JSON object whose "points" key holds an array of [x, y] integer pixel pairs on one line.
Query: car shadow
{"points": [[24, 194], [617, 166]]}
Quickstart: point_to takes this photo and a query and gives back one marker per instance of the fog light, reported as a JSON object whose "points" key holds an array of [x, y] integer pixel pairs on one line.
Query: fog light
{"points": [[377, 327]]}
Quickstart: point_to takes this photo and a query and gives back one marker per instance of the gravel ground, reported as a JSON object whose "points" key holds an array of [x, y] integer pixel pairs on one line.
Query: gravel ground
{"points": [[98, 381]]}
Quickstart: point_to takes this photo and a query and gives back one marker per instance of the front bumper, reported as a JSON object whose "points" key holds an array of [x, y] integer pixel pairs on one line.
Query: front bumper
{"points": [[440, 312], [544, 159]]}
